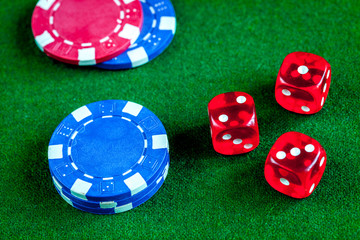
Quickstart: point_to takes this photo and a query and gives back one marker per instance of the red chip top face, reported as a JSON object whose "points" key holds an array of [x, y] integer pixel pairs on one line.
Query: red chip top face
{"points": [[86, 32]]}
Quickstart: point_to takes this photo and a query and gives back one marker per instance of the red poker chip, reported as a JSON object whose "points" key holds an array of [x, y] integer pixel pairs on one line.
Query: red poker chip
{"points": [[86, 32]]}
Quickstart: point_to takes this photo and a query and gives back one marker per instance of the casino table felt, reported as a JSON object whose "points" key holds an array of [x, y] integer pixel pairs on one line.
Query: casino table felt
{"points": [[219, 46]]}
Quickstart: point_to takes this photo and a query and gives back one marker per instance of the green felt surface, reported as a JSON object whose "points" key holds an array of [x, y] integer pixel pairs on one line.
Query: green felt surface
{"points": [[220, 46]]}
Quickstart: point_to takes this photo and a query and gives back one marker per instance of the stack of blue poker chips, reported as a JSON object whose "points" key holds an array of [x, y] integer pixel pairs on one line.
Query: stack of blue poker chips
{"points": [[109, 156], [158, 30]]}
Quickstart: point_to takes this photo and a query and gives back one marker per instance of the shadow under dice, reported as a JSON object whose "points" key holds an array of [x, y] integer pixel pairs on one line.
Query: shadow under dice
{"points": [[295, 164], [303, 82], [233, 123]]}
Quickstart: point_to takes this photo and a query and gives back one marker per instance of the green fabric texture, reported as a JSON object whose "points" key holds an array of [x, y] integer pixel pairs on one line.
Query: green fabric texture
{"points": [[219, 46]]}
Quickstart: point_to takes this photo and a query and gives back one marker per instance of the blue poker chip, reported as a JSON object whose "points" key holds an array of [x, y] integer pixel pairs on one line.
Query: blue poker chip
{"points": [[107, 150], [157, 33], [112, 209], [117, 202], [162, 173]]}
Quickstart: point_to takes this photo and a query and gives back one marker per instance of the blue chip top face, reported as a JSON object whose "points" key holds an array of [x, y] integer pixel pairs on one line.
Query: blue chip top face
{"points": [[157, 32], [107, 149]]}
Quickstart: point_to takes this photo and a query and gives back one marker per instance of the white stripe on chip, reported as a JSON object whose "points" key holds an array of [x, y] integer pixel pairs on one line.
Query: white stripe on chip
{"points": [[44, 39], [86, 56], [166, 171], [111, 204], [130, 32], [159, 179], [128, 1], [160, 141], [57, 184], [168, 23], [80, 188], [132, 108], [124, 208], [45, 4], [138, 56], [136, 183], [66, 199], [81, 113], [55, 151]]}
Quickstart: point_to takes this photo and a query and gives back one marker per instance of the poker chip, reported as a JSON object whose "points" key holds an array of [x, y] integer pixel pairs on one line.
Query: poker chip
{"points": [[115, 206], [86, 32], [108, 154], [117, 202], [157, 33]]}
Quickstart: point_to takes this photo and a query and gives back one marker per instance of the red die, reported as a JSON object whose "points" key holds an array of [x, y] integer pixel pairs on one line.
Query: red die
{"points": [[295, 164], [233, 124], [303, 82]]}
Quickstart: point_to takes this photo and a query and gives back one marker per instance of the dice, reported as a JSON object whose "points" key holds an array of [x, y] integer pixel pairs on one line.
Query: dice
{"points": [[233, 123], [303, 82], [295, 164]]}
